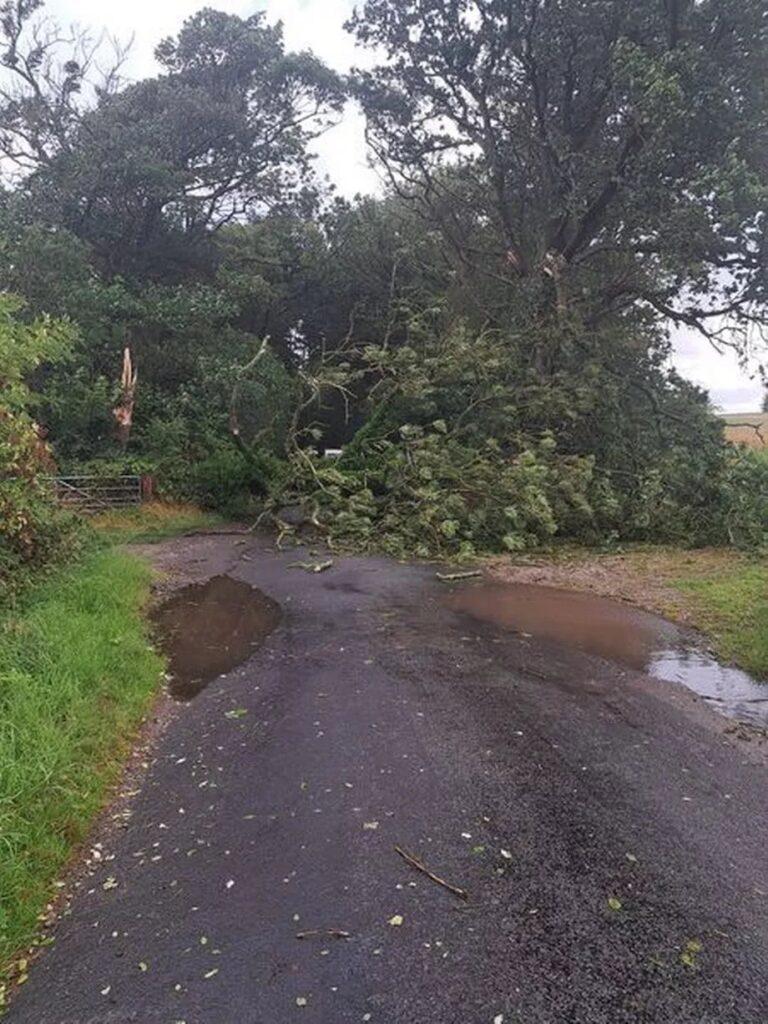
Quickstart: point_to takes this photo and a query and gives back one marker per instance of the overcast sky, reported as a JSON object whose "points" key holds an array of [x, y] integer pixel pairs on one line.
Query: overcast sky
{"points": [[317, 25]]}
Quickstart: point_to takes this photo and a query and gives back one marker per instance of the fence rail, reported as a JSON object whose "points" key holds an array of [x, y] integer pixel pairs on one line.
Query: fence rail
{"points": [[98, 493]]}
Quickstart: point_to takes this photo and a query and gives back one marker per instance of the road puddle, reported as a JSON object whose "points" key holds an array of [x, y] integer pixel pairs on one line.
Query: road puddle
{"points": [[208, 629], [619, 633]]}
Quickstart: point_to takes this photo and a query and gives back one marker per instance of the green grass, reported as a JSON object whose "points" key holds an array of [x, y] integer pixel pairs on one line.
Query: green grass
{"points": [[76, 676], [152, 522], [732, 608]]}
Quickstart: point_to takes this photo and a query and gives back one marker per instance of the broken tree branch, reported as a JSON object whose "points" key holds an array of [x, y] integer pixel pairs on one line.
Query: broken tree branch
{"points": [[330, 933], [420, 866], [123, 411], [452, 577], [241, 372]]}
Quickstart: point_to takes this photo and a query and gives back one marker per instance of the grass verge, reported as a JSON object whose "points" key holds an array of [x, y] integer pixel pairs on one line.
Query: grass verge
{"points": [[731, 607], [77, 675], [154, 521]]}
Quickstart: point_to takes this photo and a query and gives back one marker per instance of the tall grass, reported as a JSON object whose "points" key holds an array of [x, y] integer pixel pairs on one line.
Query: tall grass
{"points": [[152, 522], [732, 608], [76, 676]]}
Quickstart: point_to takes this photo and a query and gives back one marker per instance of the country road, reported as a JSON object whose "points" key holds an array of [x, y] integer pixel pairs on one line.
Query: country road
{"points": [[610, 833]]}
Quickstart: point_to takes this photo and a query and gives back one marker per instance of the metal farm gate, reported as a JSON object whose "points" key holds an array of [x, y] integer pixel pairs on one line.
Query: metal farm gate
{"points": [[98, 493]]}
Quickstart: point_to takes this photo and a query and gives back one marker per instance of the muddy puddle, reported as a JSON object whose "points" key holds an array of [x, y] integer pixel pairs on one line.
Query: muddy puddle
{"points": [[208, 629], [619, 633]]}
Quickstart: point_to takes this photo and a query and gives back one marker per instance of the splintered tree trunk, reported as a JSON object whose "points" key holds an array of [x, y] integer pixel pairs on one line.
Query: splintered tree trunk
{"points": [[123, 411], [241, 373]]}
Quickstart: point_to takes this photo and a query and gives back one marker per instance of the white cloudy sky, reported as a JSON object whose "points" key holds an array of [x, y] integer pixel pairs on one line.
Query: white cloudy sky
{"points": [[317, 25]]}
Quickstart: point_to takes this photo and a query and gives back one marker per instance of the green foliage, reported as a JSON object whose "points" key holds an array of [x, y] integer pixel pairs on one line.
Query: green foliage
{"points": [[76, 673], [178, 423], [77, 408], [744, 499], [32, 529], [222, 129], [429, 494], [229, 481]]}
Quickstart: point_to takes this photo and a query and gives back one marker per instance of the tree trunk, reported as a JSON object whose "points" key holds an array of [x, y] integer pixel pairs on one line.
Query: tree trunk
{"points": [[123, 411]]}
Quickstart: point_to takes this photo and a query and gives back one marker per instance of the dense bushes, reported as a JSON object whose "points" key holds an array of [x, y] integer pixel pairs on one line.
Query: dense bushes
{"points": [[464, 448], [743, 519], [230, 481], [32, 528]]}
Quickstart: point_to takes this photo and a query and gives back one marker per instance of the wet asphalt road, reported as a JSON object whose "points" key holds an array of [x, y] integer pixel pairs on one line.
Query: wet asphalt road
{"points": [[545, 782]]}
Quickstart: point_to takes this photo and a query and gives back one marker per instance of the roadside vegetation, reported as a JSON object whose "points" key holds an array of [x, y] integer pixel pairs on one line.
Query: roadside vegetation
{"points": [[77, 674], [731, 608], [152, 522]]}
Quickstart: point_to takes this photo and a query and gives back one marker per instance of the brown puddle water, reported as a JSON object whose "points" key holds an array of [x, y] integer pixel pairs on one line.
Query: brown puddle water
{"points": [[620, 633], [208, 629]]}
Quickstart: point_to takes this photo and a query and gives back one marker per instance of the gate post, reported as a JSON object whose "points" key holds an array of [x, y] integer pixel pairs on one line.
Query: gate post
{"points": [[147, 487]]}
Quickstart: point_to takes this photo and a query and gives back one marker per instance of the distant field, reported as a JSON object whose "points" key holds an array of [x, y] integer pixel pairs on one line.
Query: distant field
{"points": [[746, 434]]}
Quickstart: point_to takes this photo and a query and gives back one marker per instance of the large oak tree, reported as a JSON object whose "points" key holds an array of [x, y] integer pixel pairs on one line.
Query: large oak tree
{"points": [[605, 154]]}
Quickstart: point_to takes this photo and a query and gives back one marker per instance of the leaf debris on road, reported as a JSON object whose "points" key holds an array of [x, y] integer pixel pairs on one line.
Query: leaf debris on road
{"points": [[692, 948]]}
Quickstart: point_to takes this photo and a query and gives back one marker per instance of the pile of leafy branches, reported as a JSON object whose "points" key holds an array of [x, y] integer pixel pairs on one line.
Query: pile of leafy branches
{"points": [[466, 449]]}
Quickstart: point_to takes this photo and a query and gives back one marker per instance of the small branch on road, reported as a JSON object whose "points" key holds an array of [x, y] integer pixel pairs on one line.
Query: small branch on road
{"points": [[420, 866], [451, 577], [325, 933], [312, 566]]}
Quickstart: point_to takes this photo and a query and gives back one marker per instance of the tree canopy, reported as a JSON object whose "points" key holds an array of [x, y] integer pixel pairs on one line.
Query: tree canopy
{"points": [[151, 169], [615, 150]]}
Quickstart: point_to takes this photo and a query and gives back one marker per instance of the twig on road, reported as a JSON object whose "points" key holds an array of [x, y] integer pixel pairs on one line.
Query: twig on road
{"points": [[330, 933], [420, 866], [312, 566], [453, 577]]}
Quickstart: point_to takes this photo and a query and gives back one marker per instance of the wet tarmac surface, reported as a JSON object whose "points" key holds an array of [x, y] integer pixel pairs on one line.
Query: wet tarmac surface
{"points": [[609, 831], [207, 629], [620, 633]]}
